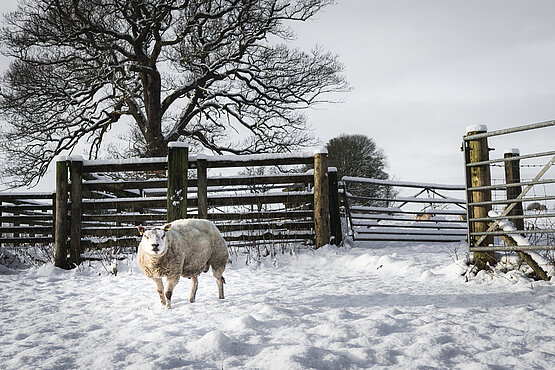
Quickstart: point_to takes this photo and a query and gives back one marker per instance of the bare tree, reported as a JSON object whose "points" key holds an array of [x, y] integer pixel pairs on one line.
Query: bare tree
{"points": [[215, 73]]}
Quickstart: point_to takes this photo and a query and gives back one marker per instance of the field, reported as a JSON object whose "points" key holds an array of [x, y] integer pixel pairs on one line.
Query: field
{"points": [[380, 306]]}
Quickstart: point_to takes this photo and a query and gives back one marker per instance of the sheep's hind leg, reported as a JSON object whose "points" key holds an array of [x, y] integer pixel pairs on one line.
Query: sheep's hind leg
{"points": [[171, 283], [160, 289], [194, 287], [220, 281]]}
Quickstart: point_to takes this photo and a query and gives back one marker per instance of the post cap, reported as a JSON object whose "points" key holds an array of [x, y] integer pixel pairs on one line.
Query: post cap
{"points": [[514, 151], [321, 151], [177, 144], [476, 128]]}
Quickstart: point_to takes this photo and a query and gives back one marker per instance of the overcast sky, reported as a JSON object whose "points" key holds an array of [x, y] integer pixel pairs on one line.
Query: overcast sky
{"points": [[423, 70]]}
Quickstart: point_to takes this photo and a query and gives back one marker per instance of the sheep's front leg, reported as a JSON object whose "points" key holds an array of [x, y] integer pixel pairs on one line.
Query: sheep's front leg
{"points": [[171, 283], [194, 287], [160, 289]]}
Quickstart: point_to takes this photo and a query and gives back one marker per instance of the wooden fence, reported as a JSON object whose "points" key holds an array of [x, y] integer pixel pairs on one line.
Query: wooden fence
{"points": [[98, 204], [26, 218], [429, 215]]}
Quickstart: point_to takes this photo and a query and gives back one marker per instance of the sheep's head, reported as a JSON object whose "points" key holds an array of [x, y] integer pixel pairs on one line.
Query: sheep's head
{"points": [[154, 239]]}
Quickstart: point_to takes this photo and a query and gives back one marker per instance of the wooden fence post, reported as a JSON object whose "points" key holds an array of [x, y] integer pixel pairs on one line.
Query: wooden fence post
{"points": [[76, 176], [202, 186], [321, 201], [178, 166], [53, 217], [478, 151], [335, 216], [60, 236], [512, 176]]}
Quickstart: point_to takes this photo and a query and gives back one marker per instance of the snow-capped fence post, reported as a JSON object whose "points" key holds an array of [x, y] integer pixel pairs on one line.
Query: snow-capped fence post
{"points": [[202, 186], [61, 219], [512, 176], [477, 150], [321, 195], [335, 217], [76, 177], [178, 166]]}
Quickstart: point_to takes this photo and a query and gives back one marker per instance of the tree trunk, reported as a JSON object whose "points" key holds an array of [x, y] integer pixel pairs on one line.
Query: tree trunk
{"points": [[155, 144]]}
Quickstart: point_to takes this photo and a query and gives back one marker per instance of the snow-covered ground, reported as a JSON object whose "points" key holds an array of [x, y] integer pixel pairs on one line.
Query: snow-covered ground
{"points": [[394, 305]]}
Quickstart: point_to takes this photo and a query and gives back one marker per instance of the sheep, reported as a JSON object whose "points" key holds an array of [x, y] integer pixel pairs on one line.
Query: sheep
{"points": [[536, 207], [422, 216], [182, 248]]}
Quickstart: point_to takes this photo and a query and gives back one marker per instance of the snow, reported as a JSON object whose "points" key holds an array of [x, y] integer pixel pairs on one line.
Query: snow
{"points": [[321, 151], [177, 144], [514, 151], [379, 306], [476, 128]]}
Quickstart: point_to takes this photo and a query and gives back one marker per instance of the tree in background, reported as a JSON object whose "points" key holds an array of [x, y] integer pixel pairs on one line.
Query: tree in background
{"points": [[214, 73], [359, 156]]}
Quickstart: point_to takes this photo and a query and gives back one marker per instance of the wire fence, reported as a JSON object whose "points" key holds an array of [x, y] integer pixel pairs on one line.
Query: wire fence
{"points": [[510, 198]]}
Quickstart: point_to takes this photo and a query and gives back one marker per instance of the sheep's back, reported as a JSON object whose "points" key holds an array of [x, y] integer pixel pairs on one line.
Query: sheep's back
{"points": [[201, 242]]}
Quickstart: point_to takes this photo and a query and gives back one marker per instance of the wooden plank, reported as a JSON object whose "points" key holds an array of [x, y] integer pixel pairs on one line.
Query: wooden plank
{"points": [[19, 195], [124, 203], [261, 179], [25, 219], [269, 236], [25, 207], [261, 215], [27, 240], [287, 225], [25, 229], [87, 244], [135, 164], [250, 199], [259, 160], [113, 186], [128, 218]]}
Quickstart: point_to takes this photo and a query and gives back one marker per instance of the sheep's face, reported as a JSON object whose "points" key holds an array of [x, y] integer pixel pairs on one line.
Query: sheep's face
{"points": [[154, 240]]}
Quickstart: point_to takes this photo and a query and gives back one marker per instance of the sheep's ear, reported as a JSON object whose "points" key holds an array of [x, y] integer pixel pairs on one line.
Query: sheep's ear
{"points": [[141, 229], [167, 227]]}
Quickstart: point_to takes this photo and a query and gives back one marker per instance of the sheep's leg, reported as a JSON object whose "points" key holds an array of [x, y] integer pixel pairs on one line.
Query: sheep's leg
{"points": [[220, 281], [218, 274], [194, 287], [171, 283], [160, 289]]}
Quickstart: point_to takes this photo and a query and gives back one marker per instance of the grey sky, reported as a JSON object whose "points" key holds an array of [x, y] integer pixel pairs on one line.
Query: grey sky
{"points": [[423, 70]]}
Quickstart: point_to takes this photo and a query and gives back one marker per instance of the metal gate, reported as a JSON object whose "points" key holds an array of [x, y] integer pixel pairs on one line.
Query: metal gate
{"points": [[518, 205], [385, 210]]}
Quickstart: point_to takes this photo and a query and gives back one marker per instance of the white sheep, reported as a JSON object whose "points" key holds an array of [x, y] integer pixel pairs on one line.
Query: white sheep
{"points": [[182, 248]]}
